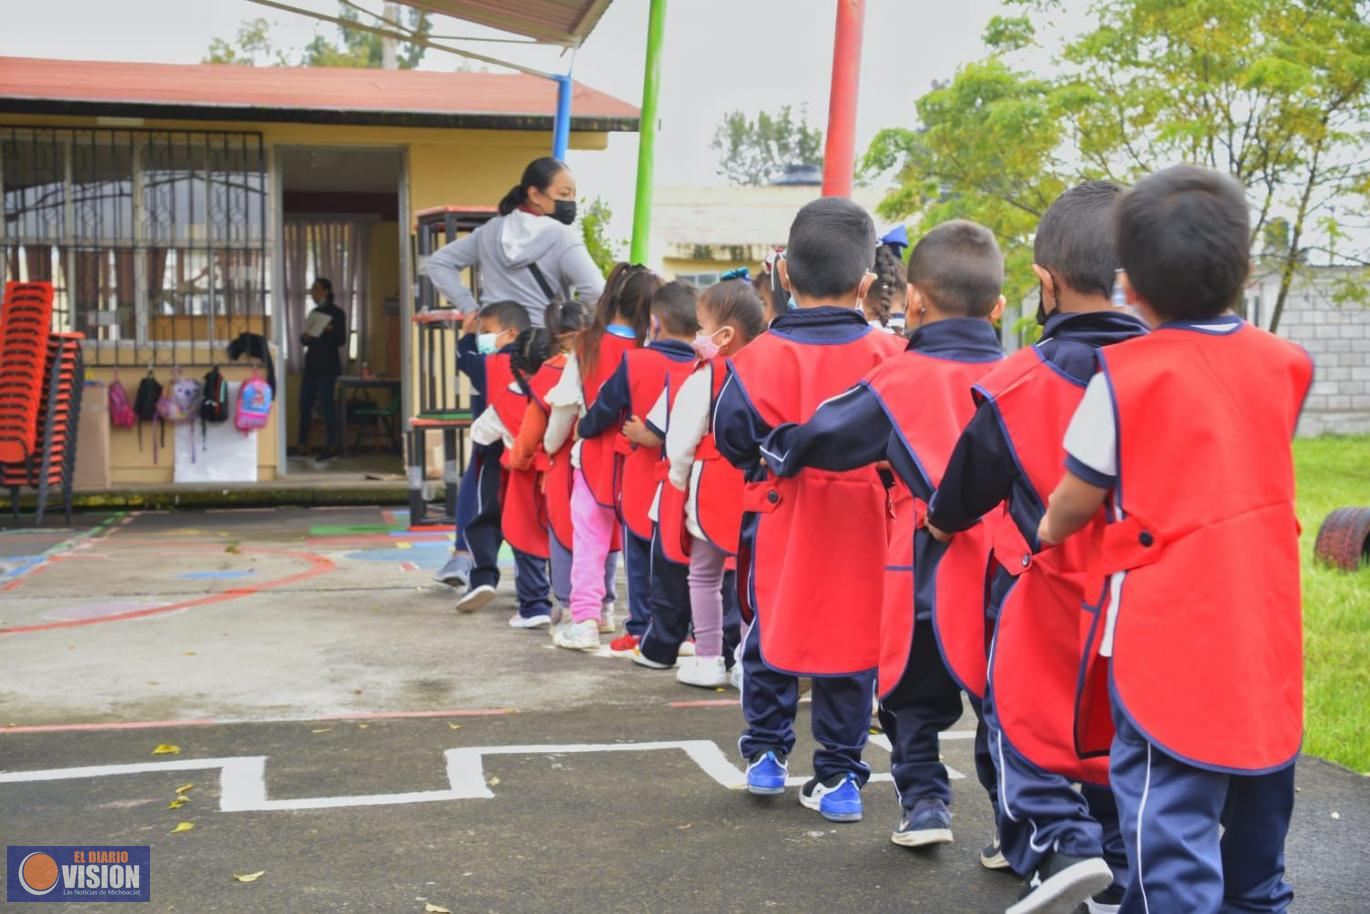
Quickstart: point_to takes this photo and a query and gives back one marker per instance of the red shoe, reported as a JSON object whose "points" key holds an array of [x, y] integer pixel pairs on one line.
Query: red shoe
{"points": [[623, 645]]}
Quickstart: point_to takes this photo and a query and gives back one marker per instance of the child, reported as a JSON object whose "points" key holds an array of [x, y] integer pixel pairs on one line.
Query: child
{"points": [[1010, 452], [565, 321], [641, 377], [885, 308], [1185, 433], [766, 284], [730, 316], [812, 547], [909, 411], [619, 325], [500, 323], [456, 572]]}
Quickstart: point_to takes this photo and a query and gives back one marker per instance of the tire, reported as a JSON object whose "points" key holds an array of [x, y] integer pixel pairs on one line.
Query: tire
{"points": [[1344, 539]]}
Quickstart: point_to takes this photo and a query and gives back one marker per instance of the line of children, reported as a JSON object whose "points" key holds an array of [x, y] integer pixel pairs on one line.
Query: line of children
{"points": [[952, 521]]}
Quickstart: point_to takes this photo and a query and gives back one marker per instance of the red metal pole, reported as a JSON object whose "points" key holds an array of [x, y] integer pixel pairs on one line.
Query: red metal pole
{"points": [[839, 158]]}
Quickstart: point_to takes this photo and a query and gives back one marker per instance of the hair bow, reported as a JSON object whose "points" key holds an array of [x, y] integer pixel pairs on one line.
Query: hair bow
{"points": [[897, 238], [739, 273]]}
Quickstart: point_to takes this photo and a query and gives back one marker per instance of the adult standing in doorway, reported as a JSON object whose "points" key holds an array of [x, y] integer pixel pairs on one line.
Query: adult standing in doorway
{"points": [[529, 253], [325, 333]]}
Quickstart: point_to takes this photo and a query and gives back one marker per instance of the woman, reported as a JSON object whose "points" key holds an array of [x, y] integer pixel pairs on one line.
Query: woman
{"points": [[529, 253], [325, 332]]}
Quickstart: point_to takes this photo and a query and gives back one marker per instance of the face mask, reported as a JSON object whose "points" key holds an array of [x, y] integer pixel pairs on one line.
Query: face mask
{"points": [[485, 343], [792, 305], [704, 346], [564, 211], [1041, 307]]}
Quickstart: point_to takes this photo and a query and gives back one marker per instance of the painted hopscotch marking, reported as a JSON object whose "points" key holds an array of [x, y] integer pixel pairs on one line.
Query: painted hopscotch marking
{"points": [[242, 780]]}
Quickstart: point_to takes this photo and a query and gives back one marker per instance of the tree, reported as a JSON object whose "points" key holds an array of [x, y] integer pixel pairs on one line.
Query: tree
{"points": [[1274, 92], [358, 48], [756, 152], [595, 216]]}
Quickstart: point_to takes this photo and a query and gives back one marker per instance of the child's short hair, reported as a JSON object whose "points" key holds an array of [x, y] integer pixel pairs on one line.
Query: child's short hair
{"points": [[734, 303], [831, 246], [889, 287], [958, 267], [510, 315], [565, 317], [1075, 238], [1184, 237], [674, 306]]}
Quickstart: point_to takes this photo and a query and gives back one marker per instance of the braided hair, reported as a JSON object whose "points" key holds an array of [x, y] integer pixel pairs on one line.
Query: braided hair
{"points": [[889, 287]]}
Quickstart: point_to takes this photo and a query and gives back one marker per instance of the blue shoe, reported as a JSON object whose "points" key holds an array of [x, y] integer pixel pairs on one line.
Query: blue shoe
{"points": [[766, 774], [837, 800], [929, 822]]}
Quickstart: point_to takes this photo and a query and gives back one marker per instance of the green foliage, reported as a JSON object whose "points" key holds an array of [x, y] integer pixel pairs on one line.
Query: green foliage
{"points": [[1274, 92], [595, 216], [252, 45], [756, 151]]}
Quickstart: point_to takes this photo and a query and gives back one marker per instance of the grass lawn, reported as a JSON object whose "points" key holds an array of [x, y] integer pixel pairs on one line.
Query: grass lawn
{"points": [[1335, 473]]}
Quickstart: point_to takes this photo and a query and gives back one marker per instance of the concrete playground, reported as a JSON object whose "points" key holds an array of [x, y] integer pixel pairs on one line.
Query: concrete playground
{"points": [[348, 736]]}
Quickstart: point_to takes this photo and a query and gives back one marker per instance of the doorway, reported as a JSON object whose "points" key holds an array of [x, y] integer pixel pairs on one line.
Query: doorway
{"points": [[340, 220]]}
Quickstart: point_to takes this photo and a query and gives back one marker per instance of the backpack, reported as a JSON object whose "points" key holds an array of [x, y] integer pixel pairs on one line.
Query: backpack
{"points": [[145, 401], [214, 397], [254, 405], [121, 414], [179, 402]]}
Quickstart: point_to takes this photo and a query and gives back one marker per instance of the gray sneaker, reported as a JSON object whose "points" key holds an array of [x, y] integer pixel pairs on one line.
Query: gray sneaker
{"points": [[457, 571]]}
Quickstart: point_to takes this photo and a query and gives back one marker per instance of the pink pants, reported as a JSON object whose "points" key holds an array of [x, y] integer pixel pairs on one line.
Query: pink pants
{"points": [[592, 534], [706, 596]]}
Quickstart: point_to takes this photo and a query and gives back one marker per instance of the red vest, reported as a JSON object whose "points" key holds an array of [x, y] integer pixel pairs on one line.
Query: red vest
{"points": [[650, 371], [718, 496], [597, 461], [1207, 655], [555, 468], [1045, 618], [812, 568], [929, 401], [523, 511]]}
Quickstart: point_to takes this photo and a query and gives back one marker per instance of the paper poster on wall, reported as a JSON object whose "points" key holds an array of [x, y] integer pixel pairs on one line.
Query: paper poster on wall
{"points": [[221, 452]]}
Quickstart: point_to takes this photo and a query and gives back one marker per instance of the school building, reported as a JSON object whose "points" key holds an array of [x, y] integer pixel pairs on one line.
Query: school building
{"points": [[175, 207]]}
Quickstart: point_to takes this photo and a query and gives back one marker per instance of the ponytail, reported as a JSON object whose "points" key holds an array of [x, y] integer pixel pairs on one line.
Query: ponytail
{"points": [[539, 173]]}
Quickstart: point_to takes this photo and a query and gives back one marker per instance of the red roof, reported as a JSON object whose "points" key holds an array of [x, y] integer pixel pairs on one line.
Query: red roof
{"points": [[313, 94]]}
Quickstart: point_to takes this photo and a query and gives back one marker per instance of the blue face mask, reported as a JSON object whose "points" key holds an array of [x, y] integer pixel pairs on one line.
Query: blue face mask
{"points": [[485, 343], [792, 305]]}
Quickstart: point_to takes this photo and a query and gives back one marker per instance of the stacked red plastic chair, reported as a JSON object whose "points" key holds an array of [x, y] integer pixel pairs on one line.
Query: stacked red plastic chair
{"points": [[39, 409]]}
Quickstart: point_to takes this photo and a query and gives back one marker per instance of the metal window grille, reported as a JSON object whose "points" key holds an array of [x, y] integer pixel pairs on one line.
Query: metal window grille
{"points": [[155, 241]]}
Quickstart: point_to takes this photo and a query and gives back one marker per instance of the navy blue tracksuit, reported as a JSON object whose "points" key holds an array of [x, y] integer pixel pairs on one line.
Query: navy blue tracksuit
{"points": [[854, 430]]}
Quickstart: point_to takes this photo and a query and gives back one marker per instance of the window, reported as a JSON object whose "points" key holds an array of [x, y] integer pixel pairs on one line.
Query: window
{"points": [[699, 280], [154, 241]]}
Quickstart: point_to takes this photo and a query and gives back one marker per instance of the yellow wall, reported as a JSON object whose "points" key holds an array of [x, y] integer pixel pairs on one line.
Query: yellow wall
{"points": [[446, 167]]}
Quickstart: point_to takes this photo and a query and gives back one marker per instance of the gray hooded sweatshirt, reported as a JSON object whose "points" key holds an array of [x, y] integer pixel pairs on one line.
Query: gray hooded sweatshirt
{"points": [[502, 249]]}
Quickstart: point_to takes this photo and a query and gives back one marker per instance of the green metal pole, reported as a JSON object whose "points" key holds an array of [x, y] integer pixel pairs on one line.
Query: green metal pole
{"points": [[646, 149]]}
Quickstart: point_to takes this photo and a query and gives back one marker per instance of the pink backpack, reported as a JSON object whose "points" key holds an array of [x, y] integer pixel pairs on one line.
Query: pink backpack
{"points": [[121, 414], [254, 405]]}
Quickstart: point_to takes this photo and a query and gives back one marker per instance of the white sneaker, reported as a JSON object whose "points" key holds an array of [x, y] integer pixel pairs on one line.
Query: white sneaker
{"points": [[520, 621], [735, 676], [687, 648], [607, 623], [648, 662], [705, 672], [475, 598], [559, 612], [578, 636]]}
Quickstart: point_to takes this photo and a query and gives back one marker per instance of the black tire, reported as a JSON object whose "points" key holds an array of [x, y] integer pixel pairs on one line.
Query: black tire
{"points": [[1344, 539]]}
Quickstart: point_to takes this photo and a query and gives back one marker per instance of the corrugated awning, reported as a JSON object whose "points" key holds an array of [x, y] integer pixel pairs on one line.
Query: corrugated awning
{"points": [[563, 22]]}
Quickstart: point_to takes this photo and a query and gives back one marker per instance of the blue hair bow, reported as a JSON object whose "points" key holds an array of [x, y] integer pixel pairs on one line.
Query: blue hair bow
{"points": [[897, 238], [739, 273]]}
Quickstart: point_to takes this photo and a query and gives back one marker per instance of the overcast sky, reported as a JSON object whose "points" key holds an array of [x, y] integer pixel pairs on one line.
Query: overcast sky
{"points": [[719, 55]]}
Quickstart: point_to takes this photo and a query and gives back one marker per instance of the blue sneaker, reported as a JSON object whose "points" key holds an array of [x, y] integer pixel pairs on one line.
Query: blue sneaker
{"points": [[766, 774], [929, 822], [837, 800]]}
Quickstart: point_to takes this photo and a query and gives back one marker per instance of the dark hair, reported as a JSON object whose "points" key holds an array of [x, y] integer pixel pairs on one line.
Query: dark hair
{"points": [[531, 349], [734, 303], [831, 246], [889, 285], [628, 292], [510, 315], [674, 305], [327, 288], [539, 173], [1184, 237], [958, 266], [770, 293], [565, 316], [1075, 238]]}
